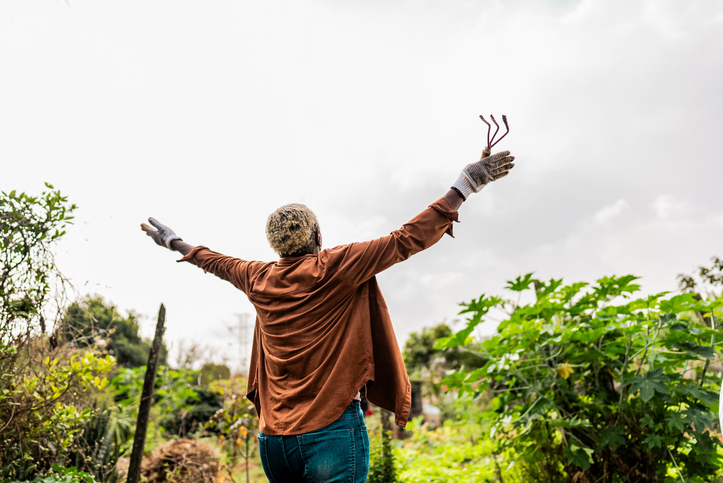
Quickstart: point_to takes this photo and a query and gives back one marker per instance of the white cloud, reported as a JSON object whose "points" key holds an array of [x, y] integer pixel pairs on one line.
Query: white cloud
{"points": [[667, 206], [609, 212]]}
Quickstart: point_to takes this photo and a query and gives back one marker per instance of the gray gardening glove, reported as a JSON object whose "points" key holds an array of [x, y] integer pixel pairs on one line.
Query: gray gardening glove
{"points": [[475, 176], [161, 234]]}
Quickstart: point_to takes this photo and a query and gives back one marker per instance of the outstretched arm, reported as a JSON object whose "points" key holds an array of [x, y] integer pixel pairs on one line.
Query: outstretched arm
{"points": [[473, 178], [231, 269], [366, 259]]}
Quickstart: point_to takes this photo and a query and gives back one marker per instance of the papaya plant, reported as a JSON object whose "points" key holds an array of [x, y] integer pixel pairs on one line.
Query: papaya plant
{"points": [[593, 385]]}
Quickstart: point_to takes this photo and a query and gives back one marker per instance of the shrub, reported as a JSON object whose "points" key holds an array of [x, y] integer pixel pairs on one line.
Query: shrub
{"points": [[592, 386], [45, 418], [39, 382], [61, 475], [381, 458], [183, 406], [236, 423], [459, 451], [103, 440]]}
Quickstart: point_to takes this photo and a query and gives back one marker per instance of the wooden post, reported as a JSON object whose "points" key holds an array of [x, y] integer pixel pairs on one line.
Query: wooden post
{"points": [[144, 411]]}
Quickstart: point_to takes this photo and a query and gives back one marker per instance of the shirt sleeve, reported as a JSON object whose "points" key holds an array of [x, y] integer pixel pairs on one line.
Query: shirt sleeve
{"points": [[234, 270], [361, 261]]}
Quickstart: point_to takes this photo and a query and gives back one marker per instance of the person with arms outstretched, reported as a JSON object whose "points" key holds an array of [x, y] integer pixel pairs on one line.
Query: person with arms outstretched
{"points": [[323, 331]]}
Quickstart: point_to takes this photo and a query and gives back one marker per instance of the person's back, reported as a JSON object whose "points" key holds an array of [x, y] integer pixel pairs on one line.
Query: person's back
{"points": [[323, 331]]}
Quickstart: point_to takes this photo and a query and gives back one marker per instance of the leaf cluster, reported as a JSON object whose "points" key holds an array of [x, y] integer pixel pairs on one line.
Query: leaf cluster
{"points": [[460, 450], [382, 467], [235, 422], [28, 227], [45, 414], [182, 405], [590, 384]]}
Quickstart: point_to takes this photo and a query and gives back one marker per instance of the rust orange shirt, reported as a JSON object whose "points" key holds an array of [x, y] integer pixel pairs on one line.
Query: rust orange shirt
{"points": [[322, 327]]}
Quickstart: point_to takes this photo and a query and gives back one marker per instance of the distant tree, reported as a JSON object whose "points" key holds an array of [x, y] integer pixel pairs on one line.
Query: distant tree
{"points": [[213, 372], [704, 279], [93, 322], [419, 352]]}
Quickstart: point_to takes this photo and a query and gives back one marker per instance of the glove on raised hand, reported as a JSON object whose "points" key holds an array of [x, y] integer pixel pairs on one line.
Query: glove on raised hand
{"points": [[476, 175], [161, 234]]}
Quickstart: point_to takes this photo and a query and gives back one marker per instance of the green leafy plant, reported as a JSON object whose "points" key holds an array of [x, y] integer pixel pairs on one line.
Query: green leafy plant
{"points": [[181, 406], [65, 475], [590, 384], [37, 414], [59, 474], [49, 413], [382, 467], [460, 451], [28, 227], [103, 440], [236, 423]]}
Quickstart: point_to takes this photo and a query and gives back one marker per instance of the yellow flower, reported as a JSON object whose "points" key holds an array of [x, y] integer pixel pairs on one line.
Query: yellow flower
{"points": [[564, 370]]}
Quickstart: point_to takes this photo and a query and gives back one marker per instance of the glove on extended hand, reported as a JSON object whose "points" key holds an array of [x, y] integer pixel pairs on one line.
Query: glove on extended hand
{"points": [[162, 235], [476, 175]]}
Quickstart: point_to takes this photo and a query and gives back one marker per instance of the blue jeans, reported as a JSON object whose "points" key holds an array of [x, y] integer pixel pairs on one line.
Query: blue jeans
{"points": [[335, 453]]}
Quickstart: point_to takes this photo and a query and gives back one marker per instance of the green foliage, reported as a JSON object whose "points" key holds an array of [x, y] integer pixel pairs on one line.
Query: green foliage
{"points": [[28, 227], [92, 322], [592, 386], [421, 353], [41, 384], [419, 349], [61, 475], [45, 419], [382, 465], [427, 364], [459, 451], [381, 459], [236, 422], [705, 279], [105, 437], [182, 405]]}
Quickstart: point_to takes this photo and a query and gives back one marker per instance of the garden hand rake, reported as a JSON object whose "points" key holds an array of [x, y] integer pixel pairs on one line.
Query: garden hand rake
{"points": [[491, 141]]}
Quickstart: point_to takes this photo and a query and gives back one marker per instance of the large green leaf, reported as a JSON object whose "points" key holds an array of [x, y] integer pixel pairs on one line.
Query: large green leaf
{"points": [[696, 350], [520, 283], [653, 441], [579, 456], [679, 303], [612, 436], [707, 397], [676, 421], [649, 383]]}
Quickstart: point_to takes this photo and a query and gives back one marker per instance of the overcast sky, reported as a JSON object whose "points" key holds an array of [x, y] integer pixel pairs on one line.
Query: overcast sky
{"points": [[210, 115]]}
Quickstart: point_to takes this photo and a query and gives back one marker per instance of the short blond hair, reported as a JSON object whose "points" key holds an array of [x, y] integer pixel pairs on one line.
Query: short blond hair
{"points": [[291, 230]]}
